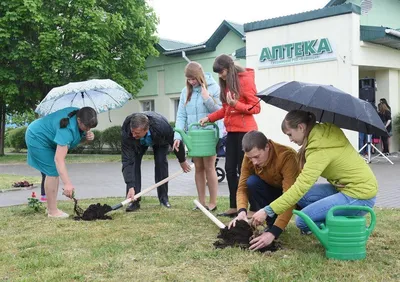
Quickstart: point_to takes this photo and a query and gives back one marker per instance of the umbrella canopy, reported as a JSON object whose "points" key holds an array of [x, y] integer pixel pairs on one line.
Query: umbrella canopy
{"points": [[100, 94], [328, 103]]}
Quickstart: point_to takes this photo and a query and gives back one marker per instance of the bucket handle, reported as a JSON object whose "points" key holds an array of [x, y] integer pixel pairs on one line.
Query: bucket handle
{"points": [[370, 228], [205, 124]]}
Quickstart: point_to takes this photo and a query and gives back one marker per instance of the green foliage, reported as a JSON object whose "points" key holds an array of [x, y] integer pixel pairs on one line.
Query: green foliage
{"points": [[34, 203], [96, 145], [24, 118], [112, 138], [16, 138], [78, 149], [44, 44], [396, 127], [172, 123]]}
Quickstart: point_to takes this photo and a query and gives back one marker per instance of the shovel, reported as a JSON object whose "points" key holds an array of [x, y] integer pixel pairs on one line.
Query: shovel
{"points": [[209, 215], [147, 190]]}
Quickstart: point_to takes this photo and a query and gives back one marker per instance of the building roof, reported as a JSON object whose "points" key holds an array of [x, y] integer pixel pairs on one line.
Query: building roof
{"points": [[167, 44], [335, 3], [174, 48], [303, 17], [379, 35]]}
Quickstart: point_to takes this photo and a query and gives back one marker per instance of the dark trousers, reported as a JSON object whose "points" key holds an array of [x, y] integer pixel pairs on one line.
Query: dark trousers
{"points": [[42, 190], [385, 144], [261, 194], [160, 170], [233, 163]]}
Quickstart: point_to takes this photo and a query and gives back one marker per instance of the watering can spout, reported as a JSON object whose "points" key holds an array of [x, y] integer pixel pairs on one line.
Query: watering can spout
{"points": [[321, 234], [186, 138]]}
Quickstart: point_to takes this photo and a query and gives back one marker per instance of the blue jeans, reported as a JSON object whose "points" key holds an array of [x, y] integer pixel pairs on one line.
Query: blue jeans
{"points": [[261, 194], [321, 198]]}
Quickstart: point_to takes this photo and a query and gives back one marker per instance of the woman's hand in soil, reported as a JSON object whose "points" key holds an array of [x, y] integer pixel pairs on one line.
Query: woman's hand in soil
{"points": [[259, 217], [262, 241], [68, 190], [89, 136], [203, 121], [176, 144], [241, 216]]}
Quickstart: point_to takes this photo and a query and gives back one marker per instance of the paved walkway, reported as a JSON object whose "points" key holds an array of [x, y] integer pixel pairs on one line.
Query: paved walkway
{"points": [[105, 180]]}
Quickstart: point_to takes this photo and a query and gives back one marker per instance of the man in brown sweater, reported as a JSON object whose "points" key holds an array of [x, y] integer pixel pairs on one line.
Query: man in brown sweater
{"points": [[268, 170]]}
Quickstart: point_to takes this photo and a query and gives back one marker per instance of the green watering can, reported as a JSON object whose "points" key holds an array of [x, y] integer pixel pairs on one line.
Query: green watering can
{"points": [[202, 141], [344, 237]]}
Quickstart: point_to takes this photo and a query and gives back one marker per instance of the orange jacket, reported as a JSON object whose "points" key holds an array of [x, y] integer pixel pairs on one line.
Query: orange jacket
{"points": [[280, 171], [240, 118]]}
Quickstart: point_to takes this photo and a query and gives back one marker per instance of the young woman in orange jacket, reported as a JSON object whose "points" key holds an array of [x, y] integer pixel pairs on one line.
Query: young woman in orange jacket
{"points": [[239, 103]]}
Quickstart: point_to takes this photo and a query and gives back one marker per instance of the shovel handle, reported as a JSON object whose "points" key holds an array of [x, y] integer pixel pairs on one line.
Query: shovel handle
{"points": [[209, 215], [145, 191]]}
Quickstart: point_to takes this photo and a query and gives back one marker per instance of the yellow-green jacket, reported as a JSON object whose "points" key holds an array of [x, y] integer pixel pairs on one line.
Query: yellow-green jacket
{"points": [[329, 154]]}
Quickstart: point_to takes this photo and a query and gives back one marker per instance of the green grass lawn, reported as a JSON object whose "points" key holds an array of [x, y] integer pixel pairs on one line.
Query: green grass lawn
{"points": [[7, 180], [158, 244]]}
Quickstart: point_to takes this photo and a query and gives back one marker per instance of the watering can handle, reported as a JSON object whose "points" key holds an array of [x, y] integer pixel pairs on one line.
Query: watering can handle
{"points": [[370, 228], [205, 124]]}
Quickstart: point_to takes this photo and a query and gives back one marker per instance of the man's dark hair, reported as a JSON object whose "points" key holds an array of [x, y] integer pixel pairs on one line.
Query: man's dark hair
{"points": [[254, 139], [139, 121]]}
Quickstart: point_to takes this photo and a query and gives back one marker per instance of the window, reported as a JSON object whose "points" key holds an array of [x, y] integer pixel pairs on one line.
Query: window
{"points": [[147, 105]]}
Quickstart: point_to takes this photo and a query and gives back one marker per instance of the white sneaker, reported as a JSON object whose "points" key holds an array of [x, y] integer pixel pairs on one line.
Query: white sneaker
{"points": [[62, 215]]}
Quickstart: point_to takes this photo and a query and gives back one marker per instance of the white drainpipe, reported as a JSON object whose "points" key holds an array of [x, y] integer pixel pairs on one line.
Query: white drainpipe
{"points": [[184, 56], [393, 32]]}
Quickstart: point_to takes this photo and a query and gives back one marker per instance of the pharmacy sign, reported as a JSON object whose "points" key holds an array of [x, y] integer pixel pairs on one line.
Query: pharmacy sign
{"points": [[297, 53]]}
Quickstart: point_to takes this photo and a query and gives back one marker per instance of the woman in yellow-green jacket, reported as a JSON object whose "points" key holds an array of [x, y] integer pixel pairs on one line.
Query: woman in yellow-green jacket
{"points": [[325, 151]]}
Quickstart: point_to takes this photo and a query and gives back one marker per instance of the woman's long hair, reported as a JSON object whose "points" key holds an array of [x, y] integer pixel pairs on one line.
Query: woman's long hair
{"points": [[383, 108], [86, 115], [232, 80], [292, 120], [194, 70]]}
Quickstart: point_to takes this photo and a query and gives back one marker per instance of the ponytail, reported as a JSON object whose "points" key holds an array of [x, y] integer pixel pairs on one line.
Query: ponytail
{"points": [[65, 121], [86, 115]]}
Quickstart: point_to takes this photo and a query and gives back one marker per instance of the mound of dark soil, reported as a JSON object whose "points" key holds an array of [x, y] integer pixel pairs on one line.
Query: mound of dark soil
{"points": [[93, 212], [240, 236]]}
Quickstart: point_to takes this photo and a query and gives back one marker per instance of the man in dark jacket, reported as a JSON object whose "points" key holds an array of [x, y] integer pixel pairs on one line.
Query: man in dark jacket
{"points": [[139, 131]]}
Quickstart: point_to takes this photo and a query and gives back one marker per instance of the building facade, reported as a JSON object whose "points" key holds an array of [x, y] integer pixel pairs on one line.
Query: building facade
{"points": [[337, 45], [327, 46], [166, 77]]}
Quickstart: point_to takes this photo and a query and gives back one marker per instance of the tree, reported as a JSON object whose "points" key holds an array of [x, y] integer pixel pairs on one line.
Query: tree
{"points": [[44, 44]]}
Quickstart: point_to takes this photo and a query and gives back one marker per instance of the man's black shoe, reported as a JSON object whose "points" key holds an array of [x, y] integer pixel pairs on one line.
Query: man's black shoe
{"points": [[134, 206], [166, 204]]}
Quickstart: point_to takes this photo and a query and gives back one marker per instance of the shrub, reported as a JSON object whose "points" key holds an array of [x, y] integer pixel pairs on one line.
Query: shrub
{"points": [[16, 138], [112, 138], [78, 149], [7, 143], [96, 146], [396, 127]]}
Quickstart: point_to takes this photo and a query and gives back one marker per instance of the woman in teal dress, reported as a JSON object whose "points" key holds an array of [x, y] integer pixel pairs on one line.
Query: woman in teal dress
{"points": [[48, 140]]}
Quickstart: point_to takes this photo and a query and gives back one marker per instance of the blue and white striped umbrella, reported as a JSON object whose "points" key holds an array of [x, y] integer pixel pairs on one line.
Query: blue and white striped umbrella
{"points": [[99, 94]]}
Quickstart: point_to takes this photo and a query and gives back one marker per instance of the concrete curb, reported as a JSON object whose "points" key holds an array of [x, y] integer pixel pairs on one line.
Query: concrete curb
{"points": [[18, 189]]}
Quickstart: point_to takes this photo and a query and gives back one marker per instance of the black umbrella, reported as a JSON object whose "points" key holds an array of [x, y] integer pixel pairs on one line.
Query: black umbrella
{"points": [[328, 103]]}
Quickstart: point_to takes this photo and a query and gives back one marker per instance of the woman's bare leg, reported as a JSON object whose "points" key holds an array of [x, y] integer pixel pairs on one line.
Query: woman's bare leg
{"points": [[212, 180], [51, 188], [200, 179]]}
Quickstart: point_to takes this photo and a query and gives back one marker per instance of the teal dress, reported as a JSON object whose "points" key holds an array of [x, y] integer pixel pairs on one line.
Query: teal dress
{"points": [[44, 134]]}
